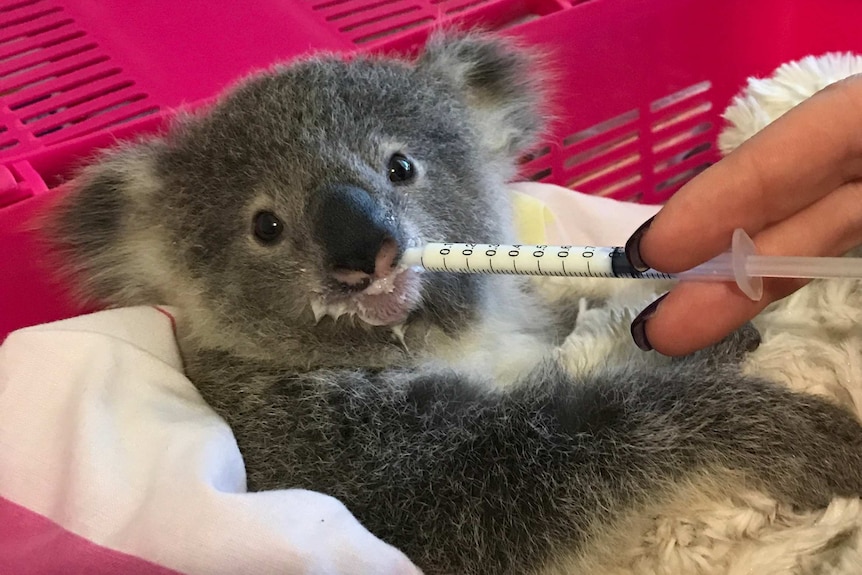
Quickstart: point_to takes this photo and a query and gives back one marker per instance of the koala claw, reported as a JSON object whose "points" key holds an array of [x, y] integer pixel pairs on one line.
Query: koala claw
{"points": [[733, 348]]}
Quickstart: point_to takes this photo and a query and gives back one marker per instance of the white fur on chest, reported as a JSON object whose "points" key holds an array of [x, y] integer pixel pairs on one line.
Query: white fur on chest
{"points": [[506, 344]]}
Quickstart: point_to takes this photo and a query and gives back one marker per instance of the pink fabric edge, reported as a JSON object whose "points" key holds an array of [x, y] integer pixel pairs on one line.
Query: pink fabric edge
{"points": [[31, 544]]}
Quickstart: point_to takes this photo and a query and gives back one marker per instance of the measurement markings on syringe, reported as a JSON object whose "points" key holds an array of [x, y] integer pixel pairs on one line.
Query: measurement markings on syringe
{"points": [[490, 253], [522, 259], [540, 251], [467, 252]]}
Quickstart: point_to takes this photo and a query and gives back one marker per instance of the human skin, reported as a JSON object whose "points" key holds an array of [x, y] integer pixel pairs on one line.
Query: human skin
{"points": [[794, 187]]}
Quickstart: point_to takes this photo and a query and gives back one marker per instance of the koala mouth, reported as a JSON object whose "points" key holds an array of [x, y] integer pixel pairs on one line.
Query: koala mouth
{"points": [[386, 301]]}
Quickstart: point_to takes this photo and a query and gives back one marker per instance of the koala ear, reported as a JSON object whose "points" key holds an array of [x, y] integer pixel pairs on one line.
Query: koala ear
{"points": [[499, 82], [95, 229]]}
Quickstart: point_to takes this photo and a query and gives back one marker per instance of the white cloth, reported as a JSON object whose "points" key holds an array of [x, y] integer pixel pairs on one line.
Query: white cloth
{"points": [[101, 433]]}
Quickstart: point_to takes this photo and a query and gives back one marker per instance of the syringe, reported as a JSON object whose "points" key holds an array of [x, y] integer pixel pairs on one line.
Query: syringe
{"points": [[741, 265]]}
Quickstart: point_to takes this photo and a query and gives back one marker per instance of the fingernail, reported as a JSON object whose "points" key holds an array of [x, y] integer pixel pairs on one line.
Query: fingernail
{"points": [[639, 325], [632, 249]]}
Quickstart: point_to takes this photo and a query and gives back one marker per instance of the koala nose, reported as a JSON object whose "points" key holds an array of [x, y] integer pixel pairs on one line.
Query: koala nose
{"points": [[360, 241]]}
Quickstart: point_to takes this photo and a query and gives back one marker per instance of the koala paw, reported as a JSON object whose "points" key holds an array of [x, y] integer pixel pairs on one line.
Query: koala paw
{"points": [[732, 349], [601, 338]]}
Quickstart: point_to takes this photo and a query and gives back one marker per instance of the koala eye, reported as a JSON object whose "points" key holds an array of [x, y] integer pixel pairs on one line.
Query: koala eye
{"points": [[267, 227], [401, 169]]}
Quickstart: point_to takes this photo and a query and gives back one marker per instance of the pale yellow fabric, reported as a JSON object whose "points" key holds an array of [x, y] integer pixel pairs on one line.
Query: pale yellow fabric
{"points": [[549, 214], [532, 219]]}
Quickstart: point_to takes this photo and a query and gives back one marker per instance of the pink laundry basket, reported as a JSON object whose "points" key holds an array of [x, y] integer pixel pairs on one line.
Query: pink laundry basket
{"points": [[641, 85]]}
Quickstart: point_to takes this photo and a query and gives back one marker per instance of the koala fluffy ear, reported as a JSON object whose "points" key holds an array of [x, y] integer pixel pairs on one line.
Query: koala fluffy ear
{"points": [[97, 232], [500, 84]]}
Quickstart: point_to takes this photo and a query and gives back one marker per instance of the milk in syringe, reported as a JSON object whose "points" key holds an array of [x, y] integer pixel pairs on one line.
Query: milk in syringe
{"points": [[541, 260]]}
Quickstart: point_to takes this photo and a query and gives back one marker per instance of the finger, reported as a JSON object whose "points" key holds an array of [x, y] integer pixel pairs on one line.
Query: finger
{"points": [[696, 315], [829, 227], [801, 157]]}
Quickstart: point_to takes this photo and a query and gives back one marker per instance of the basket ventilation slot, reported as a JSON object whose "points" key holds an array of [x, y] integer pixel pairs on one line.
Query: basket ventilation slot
{"points": [[372, 20], [641, 155], [367, 21], [55, 82], [682, 134]]}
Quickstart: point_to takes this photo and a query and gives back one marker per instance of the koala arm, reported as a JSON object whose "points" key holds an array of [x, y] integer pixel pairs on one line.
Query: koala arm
{"points": [[477, 481]]}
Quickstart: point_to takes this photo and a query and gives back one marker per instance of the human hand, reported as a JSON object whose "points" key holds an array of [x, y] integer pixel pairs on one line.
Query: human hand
{"points": [[795, 187]]}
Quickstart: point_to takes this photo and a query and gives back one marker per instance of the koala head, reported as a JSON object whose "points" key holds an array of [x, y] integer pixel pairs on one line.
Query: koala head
{"points": [[276, 218]]}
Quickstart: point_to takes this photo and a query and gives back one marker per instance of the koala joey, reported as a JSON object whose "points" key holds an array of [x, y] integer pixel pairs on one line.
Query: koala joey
{"points": [[429, 403]]}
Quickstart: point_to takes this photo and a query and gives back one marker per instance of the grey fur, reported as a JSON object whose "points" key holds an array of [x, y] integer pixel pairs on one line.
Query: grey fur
{"points": [[465, 444]]}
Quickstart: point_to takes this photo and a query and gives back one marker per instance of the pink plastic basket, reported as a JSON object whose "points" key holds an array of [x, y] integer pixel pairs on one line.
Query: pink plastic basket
{"points": [[641, 85]]}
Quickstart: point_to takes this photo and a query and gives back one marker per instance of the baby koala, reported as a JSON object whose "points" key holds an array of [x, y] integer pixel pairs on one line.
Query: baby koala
{"points": [[429, 403]]}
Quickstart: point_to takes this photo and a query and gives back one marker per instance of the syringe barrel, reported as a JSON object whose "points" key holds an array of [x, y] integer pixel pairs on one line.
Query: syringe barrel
{"points": [[521, 259]]}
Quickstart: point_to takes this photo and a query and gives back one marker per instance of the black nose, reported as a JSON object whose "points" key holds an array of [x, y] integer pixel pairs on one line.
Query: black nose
{"points": [[353, 229]]}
